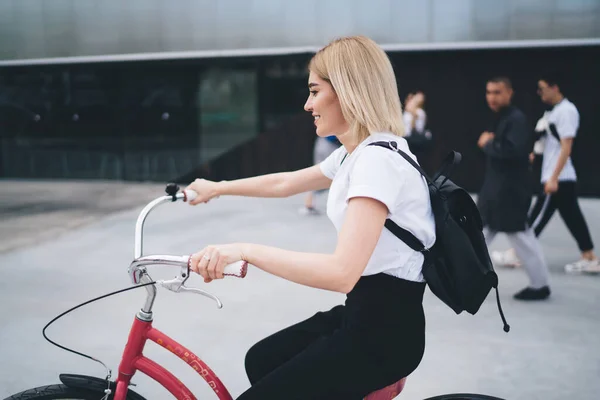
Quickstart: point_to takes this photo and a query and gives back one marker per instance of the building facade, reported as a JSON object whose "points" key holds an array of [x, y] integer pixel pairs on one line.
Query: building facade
{"points": [[36, 29], [153, 90]]}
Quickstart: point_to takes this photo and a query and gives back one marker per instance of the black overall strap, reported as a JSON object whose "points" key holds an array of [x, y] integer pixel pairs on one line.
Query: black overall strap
{"points": [[554, 132]]}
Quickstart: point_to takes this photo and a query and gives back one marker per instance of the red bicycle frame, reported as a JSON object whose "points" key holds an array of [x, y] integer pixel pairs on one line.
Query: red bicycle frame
{"points": [[133, 360]]}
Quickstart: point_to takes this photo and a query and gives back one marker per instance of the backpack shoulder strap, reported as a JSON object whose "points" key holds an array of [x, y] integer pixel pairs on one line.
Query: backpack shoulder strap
{"points": [[452, 159], [408, 238], [401, 233]]}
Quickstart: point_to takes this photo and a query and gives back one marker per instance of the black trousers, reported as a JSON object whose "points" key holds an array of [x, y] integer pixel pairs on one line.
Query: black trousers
{"points": [[374, 340], [565, 200]]}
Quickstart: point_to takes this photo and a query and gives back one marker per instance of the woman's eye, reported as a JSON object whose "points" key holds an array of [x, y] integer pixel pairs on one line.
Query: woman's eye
{"points": [[313, 93]]}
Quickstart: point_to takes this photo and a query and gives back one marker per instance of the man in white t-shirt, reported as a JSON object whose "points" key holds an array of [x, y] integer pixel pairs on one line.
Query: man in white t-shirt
{"points": [[558, 128]]}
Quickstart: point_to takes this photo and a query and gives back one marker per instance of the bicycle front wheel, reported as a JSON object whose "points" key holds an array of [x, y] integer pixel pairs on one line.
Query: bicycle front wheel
{"points": [[56, 392], [64, 392], [464, 396]]}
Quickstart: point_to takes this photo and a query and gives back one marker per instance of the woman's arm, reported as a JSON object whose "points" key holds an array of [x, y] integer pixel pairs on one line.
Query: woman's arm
{"points": [[339, 272], [283, 184]]}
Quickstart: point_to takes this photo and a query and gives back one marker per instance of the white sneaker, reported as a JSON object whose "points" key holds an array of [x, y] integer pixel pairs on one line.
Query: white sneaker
{"points": [[583, 265], [507, 258], [593, 268], [308, 211]]}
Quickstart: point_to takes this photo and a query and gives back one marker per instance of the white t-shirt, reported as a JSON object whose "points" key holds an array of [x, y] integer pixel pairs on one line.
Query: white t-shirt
{"points": [[383, 175], [419, 122], [565, 118]]}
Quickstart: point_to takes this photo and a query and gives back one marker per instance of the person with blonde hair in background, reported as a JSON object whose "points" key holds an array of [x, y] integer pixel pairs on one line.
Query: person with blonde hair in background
{"points": [[377, 337]]}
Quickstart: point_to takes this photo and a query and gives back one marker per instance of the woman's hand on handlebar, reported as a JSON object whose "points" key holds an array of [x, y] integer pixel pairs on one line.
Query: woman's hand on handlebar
{"points": [[210, 262], [206, 191]]}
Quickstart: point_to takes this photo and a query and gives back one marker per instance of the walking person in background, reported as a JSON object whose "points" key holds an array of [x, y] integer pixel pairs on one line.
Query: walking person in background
{"points": [[506, 193], [558, 128], [415, 122], [324, 146], [414, 115]]}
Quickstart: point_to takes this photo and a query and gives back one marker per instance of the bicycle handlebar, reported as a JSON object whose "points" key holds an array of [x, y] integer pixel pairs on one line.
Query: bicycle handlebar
{"points": [[137, 268], [186, 195], [237, 269]]}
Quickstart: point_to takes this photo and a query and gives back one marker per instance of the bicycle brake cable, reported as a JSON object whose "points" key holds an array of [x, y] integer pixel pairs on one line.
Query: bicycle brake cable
{"points": [[109, 372]]}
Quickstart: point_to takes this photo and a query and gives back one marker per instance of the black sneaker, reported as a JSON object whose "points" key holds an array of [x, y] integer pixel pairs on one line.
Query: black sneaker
{"points": [[533, 294]]}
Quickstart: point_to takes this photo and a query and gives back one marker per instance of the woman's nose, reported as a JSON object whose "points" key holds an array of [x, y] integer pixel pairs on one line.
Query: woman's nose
{"points": [[308, 105]]}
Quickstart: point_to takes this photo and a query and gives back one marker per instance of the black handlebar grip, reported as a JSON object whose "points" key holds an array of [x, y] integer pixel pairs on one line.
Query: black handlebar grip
{"points": [[172, 189]]}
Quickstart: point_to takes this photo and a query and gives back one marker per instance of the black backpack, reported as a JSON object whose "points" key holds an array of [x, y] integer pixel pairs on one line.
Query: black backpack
{"points": [[457, 268], [419, 142]]}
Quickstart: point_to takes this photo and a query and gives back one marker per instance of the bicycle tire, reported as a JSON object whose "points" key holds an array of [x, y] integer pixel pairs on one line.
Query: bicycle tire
{"points": [[464, 396], [58, 392]]}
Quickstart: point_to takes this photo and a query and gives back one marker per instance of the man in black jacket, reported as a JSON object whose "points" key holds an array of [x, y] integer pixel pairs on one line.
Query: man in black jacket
{"points": [[506, 193]]}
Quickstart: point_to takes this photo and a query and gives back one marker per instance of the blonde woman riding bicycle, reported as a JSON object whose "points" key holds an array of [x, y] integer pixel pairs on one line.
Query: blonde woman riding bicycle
{"points": [[377, 337]]}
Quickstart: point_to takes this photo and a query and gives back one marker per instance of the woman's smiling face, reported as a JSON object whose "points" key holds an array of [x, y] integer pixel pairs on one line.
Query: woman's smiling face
{"points": [[325, 107]]}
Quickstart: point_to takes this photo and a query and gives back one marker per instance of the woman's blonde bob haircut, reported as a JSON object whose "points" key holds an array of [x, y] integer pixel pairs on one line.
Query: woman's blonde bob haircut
{"points": [[363, 79]]}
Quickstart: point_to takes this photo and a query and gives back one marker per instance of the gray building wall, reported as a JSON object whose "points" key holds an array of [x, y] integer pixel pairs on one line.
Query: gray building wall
{"points": [[65, 28]]}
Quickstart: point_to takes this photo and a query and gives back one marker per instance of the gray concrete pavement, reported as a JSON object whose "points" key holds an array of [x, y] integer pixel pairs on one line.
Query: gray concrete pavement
{"points": [[552, 351], [33, 211]]}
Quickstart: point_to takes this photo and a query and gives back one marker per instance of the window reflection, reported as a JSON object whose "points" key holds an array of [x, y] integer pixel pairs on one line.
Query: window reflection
{"points": [[135, 121], [283, 89], [228, 109]]}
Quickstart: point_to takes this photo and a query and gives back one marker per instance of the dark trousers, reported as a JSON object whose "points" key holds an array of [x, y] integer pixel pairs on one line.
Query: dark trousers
{"points": [[374, 340], [565, 200]]}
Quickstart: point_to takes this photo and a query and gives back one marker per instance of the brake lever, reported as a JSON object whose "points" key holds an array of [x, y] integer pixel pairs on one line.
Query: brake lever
{"points": [[203, 293], [177, 285]]}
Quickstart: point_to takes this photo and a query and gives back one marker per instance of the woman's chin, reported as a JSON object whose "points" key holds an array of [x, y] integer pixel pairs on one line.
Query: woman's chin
{"points": [[321, 133]]}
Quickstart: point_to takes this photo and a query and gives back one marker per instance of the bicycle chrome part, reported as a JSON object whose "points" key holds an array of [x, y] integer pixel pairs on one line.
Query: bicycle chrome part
{"points": [[137, 269], [177, 284], [203, 293], [139, 274], [139, 225]]}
